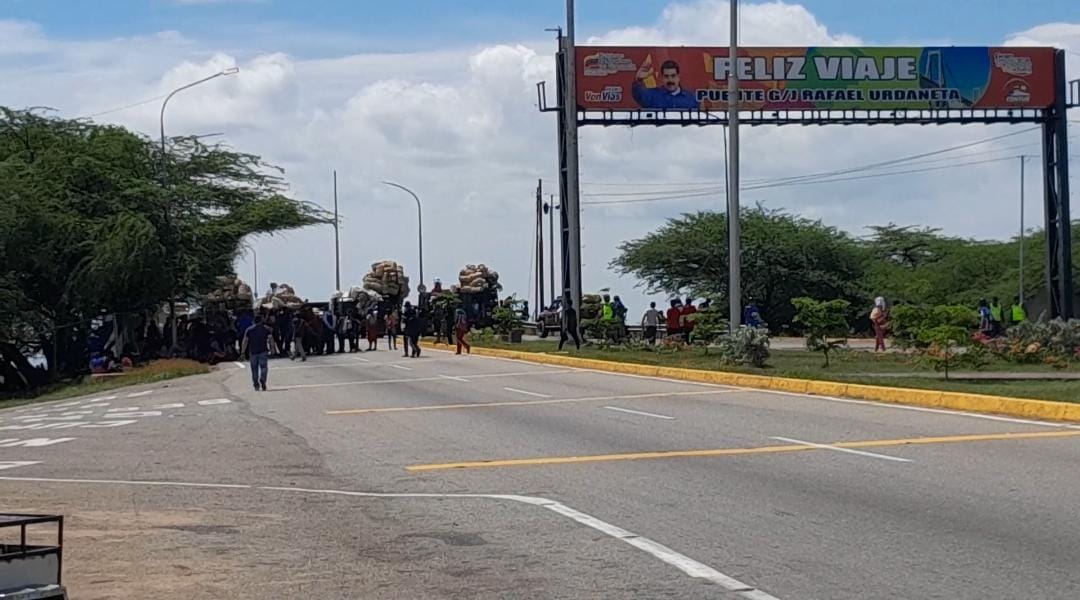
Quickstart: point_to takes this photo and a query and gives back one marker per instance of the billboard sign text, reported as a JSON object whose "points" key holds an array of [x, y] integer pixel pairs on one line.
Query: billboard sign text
{"points": [[826, 78]]}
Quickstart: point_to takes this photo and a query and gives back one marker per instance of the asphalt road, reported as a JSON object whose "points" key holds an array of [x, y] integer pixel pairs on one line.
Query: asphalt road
{"points": [[376, 476]]}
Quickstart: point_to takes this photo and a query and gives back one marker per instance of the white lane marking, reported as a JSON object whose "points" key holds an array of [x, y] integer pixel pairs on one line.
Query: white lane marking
{"points": [[66, 404], [107, 424], [137, 414], [32, 419], [666, 555], [416, 379], [461, 379], [95, 405], [214, 401], [13, 464], [32, 442], [401, 367], [239, 365], [943, 411], [173, 405], [126, 409], [638, 412], [845, 450], [526, 392], [140, 394], [361, 359]]}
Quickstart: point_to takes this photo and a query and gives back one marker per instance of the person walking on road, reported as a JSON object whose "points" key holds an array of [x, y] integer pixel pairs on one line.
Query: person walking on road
{"points": [[408, 315], [461, 330], [879, 319], [650, 321], [392, 329], [413, 330], [569, 325], [259, 342], [300, 331], [372, 330], [448, 325]]}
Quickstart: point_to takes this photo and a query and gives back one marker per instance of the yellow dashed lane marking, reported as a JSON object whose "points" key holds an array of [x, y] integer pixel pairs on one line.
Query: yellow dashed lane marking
{"points": [[562, 460]]}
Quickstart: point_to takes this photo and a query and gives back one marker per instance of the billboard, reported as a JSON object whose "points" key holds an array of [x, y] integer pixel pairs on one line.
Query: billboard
{"points": [[827, 78]]}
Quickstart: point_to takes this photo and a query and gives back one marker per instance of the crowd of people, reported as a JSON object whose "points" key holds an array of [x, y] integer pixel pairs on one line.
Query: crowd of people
{"points": [[994, 318]]}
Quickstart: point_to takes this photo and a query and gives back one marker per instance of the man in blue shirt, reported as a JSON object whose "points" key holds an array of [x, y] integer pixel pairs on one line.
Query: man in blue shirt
{"points": [[259, 340], [668, 95]]}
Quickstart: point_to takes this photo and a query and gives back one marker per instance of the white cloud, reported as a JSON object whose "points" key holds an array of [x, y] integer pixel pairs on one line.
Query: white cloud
{"points": [[707, 22], [461, 128]]}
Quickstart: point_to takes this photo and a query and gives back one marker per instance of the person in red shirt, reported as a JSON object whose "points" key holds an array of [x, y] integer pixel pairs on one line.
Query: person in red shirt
{"points": [[686, 316], [674, 320]]}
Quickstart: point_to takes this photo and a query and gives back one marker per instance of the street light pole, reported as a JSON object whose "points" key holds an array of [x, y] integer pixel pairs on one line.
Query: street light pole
{"points": [[337, 241], [255, 268], [165, 172], [419, 225], [1022, 157], [734, 245]]}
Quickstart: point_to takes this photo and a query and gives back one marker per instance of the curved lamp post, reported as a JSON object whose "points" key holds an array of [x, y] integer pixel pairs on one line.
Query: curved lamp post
{"points": [[164, 163], [420, 225]]}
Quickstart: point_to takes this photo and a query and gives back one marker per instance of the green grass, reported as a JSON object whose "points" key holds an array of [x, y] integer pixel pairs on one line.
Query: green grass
{"points": [[850, 366], [159, 370]]}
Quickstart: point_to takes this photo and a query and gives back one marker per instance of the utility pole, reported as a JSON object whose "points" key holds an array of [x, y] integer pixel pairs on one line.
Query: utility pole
{"points": [[539, 247], [337, 242], [550, 210], [1021, 294], [571, 202], [734, 245]]}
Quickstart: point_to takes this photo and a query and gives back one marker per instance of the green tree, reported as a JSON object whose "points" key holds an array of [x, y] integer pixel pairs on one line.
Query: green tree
{"points": [[87, 227], [822, 320], [784, 257]]}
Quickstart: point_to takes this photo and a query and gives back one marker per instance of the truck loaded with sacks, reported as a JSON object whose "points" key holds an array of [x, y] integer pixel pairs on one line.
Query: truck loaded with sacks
{"points": [[383, 289], [479, 287]]}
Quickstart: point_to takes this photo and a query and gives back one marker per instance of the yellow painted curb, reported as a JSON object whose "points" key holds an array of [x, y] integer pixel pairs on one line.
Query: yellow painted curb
{"points": [[1017, 407]]}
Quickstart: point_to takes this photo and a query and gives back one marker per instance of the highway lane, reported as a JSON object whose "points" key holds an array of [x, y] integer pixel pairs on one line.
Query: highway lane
{"points": [[747, 484]]}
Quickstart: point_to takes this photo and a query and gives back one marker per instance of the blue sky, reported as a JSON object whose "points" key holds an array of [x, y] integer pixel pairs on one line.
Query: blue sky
{"points": [[366, 25]]}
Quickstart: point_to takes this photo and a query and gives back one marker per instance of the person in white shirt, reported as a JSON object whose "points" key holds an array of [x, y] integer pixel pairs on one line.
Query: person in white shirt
{"points": [[651, 321]]}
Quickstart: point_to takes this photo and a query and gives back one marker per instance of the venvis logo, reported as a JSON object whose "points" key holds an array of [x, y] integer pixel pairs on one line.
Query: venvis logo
{"points": [[611, 93]]}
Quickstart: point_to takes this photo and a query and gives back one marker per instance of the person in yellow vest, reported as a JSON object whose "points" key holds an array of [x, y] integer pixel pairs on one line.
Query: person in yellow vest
{"points": [[1017, 313], [997, 317]]}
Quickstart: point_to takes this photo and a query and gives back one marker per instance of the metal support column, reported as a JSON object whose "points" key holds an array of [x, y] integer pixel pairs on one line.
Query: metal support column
{"points": [[571, 208], [1055, 155]]}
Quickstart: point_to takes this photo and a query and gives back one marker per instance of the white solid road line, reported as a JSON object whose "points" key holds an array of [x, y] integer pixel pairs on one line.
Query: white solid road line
{"points": [[680, 561], [638, 412], [526, 392], [417, 379], [844, 450], [942, 411], [214, 401], [140, 394], [360, 358], [461, 379], [401, 367]]}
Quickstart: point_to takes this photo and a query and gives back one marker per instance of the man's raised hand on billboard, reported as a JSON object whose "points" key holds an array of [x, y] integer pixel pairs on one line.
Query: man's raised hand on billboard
{"points": [[645, 70]]}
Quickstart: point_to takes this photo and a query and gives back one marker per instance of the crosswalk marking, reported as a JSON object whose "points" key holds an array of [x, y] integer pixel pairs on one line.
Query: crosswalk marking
{"points": [[214, 401], [173, 405], [12, 464]]}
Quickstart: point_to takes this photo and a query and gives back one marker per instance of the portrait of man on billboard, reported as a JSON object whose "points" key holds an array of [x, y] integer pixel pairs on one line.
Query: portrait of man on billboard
{"points": [[669, 94]]}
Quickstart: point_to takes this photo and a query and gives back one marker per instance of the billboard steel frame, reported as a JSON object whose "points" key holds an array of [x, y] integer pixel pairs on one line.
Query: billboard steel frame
{"points": [[1052, 120]]}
